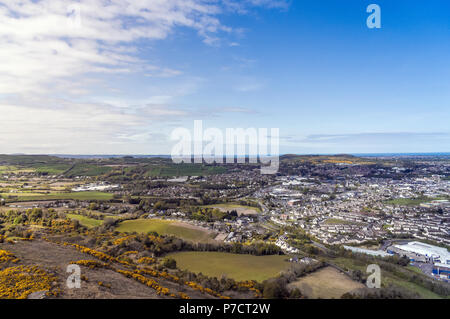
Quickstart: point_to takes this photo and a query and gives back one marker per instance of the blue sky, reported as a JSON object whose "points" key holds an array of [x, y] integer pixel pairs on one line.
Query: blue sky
{"points": [[129, 73]]}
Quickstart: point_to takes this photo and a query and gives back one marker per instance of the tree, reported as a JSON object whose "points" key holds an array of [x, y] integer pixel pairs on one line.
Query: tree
{"points": [[169, 263], [274, 289]]}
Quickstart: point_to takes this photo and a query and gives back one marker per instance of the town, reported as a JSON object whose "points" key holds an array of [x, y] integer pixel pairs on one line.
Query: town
{"points": [[315, 211]]}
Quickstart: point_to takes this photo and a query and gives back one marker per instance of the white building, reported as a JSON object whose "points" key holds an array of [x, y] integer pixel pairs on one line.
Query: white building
{"points": [[435, 253]]}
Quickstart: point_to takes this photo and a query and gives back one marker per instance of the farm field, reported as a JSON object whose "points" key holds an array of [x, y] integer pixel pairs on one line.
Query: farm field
{"points": [[410, 201], [327, 283], [167, 227], [167, 170], [86, 221], [336, 221], [236, 266], [87, 170], [33, 196], [54, 169], [240, 209]]}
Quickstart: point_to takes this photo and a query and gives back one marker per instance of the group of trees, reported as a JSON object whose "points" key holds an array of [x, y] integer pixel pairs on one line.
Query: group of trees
{"points": [[381, 293], [34, 215], [209, 214]]}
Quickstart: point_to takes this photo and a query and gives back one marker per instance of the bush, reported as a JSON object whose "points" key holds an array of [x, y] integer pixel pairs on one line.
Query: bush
{"points": [[275, 289], [169, 263]]}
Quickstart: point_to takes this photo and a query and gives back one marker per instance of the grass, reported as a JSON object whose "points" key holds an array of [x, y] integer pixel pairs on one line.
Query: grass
{"points": [[387, 278], [173, 170], [165, 227], [325, 283], [423, 292], [8, 169], [34, 196], [241, 209], [410, 201], [87, 170], [236, 266], [336, 221], [415, 269], [52, 169], [86, 221]]}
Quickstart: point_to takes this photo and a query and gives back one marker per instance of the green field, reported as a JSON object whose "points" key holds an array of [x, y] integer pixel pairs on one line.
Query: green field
{"points": [[85, 169], [7, 169], [34, 196], [86, 221], [337, 221], [410, 201], [236, 266], [165, 227], [241, 209], [173, 170], [52, 169]]}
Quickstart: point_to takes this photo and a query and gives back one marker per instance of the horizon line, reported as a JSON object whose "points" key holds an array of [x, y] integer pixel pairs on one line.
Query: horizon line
{"points": [[166, 155]]}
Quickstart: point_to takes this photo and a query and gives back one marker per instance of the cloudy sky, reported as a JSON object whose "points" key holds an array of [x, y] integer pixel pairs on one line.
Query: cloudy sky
{"points": [[117, 76]]}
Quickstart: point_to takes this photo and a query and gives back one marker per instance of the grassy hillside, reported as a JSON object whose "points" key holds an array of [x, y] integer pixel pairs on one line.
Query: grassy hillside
{"points": [[32, 196], [165, 227], [388, 277], [86, 221], [236, 266]]}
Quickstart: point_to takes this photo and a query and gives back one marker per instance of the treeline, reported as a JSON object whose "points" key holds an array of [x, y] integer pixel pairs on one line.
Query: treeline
{"points": [[209, 214], [381, 293], [30, 216], [168, 244]]}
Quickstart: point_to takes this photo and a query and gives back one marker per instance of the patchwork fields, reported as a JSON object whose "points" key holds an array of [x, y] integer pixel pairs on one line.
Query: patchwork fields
{"points": [[35, 196]]}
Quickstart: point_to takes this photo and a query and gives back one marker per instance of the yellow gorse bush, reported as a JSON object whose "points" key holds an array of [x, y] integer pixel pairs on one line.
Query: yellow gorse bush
{"points": [[146, 260], [19, 282], [200, 288], [137, 274], [6, 256]]}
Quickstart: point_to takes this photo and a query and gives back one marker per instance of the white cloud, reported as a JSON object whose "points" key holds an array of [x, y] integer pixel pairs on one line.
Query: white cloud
{"points": [[54, 49], [41, 41], [61, 126], [249, 85]]}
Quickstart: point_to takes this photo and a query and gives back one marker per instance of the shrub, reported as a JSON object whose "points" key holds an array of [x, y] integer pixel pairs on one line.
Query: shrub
{"points": [[169, 263]]}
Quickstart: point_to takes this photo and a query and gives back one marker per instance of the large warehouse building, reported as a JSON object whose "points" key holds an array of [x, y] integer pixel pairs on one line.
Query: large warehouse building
{"points": [[431, 253]]}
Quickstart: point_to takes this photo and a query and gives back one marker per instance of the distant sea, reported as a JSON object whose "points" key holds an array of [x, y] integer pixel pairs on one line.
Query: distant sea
{"points": [[437, 154]]}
